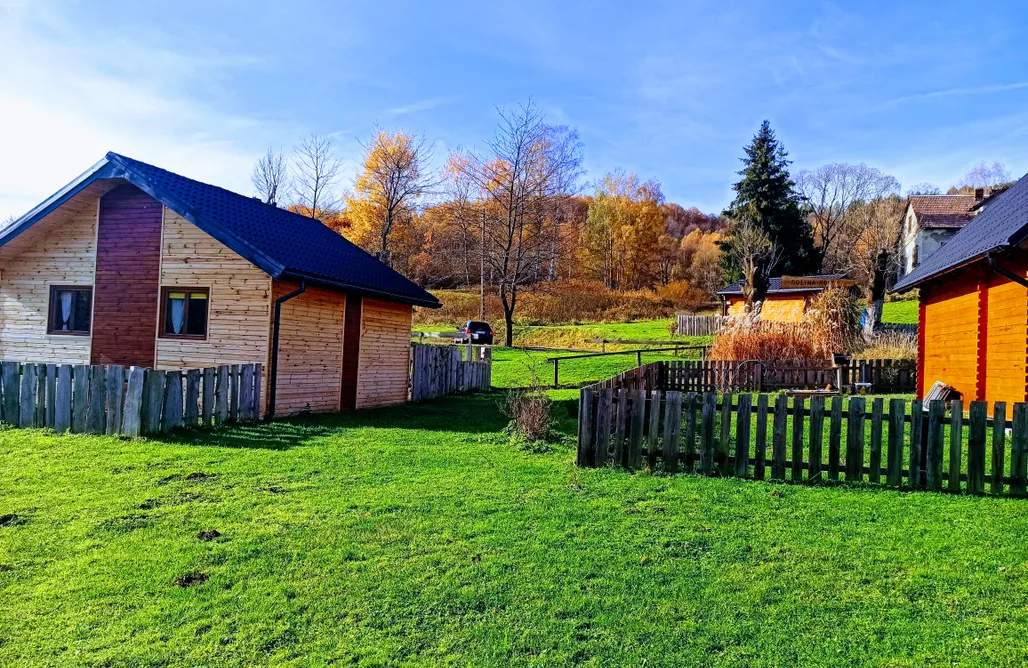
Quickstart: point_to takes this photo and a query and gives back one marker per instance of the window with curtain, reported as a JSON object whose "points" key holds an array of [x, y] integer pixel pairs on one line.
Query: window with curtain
{"points": [[71, 308], [184, 312]]}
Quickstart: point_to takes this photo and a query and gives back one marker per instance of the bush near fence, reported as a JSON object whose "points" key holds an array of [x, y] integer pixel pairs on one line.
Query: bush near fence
{"points": [[84, 399]]}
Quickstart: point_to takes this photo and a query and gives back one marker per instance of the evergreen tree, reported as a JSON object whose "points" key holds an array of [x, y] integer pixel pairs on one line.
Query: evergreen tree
{"points": [[766, 199]]}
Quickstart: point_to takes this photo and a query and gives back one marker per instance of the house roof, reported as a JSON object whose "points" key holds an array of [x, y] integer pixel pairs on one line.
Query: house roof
{"points": [[1002, 224], [285, 245], [775, 286], [943, 211]]}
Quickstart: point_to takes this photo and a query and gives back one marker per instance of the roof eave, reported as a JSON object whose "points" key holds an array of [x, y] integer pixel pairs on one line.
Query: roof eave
{"points": [[295, 275], [102, 169]]}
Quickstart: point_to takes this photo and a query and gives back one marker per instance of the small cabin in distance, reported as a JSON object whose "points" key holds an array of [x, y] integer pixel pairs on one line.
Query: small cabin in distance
{"points": [[787, 300], [133, 265], [973, 311]]}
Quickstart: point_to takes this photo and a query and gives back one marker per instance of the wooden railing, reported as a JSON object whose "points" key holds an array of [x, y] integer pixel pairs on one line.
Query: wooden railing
{"points": [[112, 399], [919, 448], [440, 370]]}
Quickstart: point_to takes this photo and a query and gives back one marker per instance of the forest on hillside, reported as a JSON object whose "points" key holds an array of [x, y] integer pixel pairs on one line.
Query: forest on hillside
{"points": [[518, 214]]}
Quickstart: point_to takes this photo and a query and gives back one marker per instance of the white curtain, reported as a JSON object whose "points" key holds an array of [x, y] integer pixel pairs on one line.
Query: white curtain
{"points": [[178, 314], [66, 297]]}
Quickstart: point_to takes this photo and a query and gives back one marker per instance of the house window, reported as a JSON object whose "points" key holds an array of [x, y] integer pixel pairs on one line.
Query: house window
{"points": [[71, 309], [184, 313]]}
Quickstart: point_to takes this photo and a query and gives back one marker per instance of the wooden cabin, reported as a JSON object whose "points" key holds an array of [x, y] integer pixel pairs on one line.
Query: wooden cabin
{"points": [[973, 317], [130, 264], [787, 297]]}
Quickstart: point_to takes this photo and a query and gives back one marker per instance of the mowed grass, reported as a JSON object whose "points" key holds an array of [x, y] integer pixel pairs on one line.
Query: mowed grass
{"points": [[419, 536], [513, 367], [904, 312]]}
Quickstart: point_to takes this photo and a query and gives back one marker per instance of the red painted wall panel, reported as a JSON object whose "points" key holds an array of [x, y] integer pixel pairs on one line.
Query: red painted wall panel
{"points": [[125, 296]]}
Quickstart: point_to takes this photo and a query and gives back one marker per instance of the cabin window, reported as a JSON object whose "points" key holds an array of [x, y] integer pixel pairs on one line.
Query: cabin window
{"points": [[184, 313], [71, 308]]}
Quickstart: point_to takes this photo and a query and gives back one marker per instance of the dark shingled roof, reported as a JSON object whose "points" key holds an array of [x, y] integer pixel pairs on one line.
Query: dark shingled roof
{"points": [[286, 245], [776, 286], [1002, 224]]}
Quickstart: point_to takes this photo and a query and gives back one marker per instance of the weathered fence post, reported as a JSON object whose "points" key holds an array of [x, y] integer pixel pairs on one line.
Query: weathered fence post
{"points": [[999, 435]]}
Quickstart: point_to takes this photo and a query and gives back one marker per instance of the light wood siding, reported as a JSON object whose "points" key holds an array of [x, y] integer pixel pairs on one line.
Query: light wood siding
{"points": [[951, 323], [240, 299], [58, 250], [783, 309], [385, 353], [1005, 360], [310, 350], [775, 309]]}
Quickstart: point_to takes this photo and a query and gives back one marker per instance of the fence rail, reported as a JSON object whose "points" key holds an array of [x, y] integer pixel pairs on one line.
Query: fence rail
{"points": [[95, 399], [699, 325], [922, 448], [441, 370]]}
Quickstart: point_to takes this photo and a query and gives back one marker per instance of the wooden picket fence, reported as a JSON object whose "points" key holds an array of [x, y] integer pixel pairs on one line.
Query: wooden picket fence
{"points": [[441, 370], [699, 325], [113, 399], [882, 376], [919, 448]]}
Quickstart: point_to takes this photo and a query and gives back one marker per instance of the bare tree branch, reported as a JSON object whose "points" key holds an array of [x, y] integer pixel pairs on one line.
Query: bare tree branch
{"points": [[270, 177], [315, 169]]}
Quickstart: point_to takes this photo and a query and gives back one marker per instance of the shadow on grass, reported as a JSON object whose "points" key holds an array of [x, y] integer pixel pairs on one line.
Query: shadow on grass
{"points": [[465, 414]]}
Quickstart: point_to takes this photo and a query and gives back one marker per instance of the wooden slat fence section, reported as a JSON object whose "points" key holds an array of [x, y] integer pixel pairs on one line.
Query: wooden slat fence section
{"points": [[882, 376], [867, 441], [699, 325], [437, 371], [130, 402]]}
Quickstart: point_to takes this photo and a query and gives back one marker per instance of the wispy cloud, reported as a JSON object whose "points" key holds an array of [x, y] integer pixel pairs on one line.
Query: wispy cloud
{"points": [[961, 91], [421, 105], [66, 101]]}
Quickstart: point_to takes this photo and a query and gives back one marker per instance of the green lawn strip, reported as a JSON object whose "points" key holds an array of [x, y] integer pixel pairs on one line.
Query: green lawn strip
{"points": [[523, 368], [418, 535], [904, 312]]}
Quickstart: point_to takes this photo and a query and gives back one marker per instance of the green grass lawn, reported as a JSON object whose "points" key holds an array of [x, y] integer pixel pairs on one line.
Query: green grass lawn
{"points": [[419, 535], [904, 312], [524, 368]]}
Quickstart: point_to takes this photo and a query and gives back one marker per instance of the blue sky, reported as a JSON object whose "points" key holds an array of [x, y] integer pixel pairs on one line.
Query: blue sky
{"points": [[669, 90]]}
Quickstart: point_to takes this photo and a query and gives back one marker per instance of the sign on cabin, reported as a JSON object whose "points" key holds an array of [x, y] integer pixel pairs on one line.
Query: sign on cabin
{"points": [[815, 282]]}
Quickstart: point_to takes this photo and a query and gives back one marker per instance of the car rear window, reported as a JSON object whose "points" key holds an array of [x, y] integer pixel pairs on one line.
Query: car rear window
{"points": [[478, 326]]}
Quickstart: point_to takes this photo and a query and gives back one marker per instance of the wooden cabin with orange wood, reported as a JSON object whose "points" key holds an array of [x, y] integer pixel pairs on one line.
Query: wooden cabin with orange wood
{"points": [[133, 265], [973, 313], [787, 299]]}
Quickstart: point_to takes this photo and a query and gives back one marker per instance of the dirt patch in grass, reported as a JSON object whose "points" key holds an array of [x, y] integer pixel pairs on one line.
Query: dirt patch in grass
{"points": [[12, 519], [208, 536], [149, 504], [199, 475], [190, 579]]}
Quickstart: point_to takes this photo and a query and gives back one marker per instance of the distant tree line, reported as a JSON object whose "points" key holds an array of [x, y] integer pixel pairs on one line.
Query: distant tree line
{"points": [[513, 214]]}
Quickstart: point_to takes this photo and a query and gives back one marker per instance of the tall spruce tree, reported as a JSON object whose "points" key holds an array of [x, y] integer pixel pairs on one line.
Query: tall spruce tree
{"points": [[766, 198]]}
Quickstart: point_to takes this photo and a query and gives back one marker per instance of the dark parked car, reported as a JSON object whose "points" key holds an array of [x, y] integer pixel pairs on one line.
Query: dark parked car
{"points": [[480, 332]]}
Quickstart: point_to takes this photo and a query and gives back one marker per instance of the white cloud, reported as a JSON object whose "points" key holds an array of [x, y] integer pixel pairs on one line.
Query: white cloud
{"points": [[67, 98]]}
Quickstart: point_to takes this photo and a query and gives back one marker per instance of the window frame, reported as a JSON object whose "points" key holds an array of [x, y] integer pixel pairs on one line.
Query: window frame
{"points": [[52, 304], [162, 324]]}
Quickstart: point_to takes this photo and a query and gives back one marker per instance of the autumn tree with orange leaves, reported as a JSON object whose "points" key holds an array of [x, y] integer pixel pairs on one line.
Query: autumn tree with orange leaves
{"points": [[384, 196]]}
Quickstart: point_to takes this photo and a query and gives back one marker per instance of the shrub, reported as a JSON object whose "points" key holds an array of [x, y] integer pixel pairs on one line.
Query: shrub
{"points": [[833, 320], [830, 325], [529, 413], [889, 346], [750, 338]]}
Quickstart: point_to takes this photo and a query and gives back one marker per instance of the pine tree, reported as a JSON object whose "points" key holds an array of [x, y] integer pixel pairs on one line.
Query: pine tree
{"points": [[766, 198]]}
